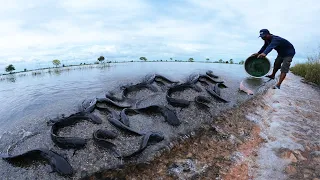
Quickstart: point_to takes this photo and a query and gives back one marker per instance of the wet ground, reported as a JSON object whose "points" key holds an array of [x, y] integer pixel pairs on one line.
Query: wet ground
{"points": [[290, 126]]}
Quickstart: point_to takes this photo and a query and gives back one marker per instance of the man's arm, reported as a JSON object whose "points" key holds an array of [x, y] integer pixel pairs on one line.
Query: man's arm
{"points": [[263, 47], [274, 43]]}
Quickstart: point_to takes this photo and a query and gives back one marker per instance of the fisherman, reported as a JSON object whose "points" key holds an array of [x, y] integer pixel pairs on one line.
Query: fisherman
{"points": [[285, 51]]}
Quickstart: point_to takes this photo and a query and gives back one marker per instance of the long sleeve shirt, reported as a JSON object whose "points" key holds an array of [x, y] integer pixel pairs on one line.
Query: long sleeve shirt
{"points": [[281, 45]]}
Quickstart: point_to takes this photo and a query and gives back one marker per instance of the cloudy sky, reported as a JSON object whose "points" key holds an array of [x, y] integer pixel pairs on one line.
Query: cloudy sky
{"points": [[43, 30]]}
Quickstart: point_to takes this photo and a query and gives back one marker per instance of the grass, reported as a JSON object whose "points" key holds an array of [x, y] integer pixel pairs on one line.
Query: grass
{"points": [[310, 70]]}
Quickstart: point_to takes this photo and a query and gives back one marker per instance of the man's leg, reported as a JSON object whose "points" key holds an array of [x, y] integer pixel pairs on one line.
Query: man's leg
{"points": [[284, 70], [282, 77], [276, 67], [274, 71]]}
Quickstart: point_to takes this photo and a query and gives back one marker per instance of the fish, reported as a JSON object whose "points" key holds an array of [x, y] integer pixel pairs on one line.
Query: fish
{"points": [[215, 95], [193, 79], [160, 78], [177, 102], [148, 139], [216, 89], [124, 117], [201, 101], [116, 123], [113, 98], [66, 142], [109, 101], [137, 87], [100, 138], [105, 134], [90, 107], [210, 79], [94, 118], [169, 115], [210, 73], [57, 162], [180, 87], [244, 89]]}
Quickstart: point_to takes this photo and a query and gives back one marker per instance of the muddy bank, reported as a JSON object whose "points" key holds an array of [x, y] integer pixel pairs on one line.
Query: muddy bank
{"points": [[92, 161], [272, 136], [214, 151]]}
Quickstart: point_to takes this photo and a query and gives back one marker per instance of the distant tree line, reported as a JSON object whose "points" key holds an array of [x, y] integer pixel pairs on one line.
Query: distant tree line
{"points": [[10, 68]]}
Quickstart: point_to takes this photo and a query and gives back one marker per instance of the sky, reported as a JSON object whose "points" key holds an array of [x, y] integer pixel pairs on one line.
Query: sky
{"points": [[82, 30]]}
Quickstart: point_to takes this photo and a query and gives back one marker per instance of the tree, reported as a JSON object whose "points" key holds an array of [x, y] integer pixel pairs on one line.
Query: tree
{"points": [[56, 62], [170, 59], [101, 58], [191, 60], [220, 61], [10, 68], [208, 59], [231, 61], [241, 62], [143, 59]]}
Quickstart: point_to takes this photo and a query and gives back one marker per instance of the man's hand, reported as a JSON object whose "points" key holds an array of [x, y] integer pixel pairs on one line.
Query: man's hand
{"points": [[254, 54], [262, 55]]}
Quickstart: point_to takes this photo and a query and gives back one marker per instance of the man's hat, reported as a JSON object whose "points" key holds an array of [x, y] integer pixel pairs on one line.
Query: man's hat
{"points": [[264, 32]]}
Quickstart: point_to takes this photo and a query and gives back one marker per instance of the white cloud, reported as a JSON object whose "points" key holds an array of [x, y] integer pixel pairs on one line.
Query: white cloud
{"points": [[42, 30]]}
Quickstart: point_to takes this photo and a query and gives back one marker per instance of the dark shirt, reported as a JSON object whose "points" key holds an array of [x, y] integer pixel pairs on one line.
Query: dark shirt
{"points": [[281, 45]]}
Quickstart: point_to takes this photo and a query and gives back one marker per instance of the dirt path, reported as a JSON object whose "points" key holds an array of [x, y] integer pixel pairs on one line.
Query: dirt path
{"points": [[290, 122]]}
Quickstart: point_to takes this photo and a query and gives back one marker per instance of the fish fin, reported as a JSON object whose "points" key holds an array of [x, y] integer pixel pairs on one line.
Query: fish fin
{"points": [[196, 87], [50, 169], [221, 85], [152, 87], [74, 152], [117, 154]]}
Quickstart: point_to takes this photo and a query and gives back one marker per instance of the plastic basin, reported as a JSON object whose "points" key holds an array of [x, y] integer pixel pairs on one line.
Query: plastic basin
{"points": [[257, 67]]}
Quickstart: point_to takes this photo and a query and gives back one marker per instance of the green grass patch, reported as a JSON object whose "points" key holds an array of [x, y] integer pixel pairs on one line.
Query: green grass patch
{"points": [[310, 71]]}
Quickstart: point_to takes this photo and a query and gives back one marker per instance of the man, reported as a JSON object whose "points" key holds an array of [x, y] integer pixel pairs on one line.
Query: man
{"points": [[285, 51]]}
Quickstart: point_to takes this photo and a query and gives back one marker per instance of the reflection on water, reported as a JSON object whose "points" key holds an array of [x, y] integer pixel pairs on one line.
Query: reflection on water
{"points": [[51, 71], [57, 72], [254, 83], [11, 78], [49, 93]]}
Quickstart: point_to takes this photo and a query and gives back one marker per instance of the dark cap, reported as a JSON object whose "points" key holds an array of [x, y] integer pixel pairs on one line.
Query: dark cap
{"points": [[264, 32]]}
